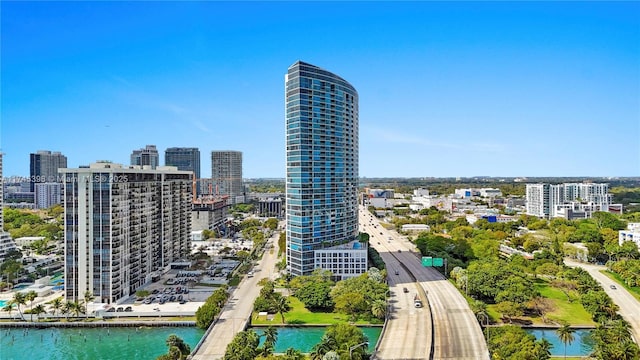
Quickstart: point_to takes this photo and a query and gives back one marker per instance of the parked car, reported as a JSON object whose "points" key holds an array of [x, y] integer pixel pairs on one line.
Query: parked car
{"points": [[120, 309], [613, 287], [405, 290], [128, 309]]}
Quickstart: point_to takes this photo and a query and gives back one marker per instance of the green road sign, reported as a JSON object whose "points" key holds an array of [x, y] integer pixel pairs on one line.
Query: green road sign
{"points": [[438, 262], [427, 261]]}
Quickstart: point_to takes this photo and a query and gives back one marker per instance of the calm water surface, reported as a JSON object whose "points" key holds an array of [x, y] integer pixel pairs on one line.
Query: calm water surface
{"points": [[91, 343], [582, 344]]}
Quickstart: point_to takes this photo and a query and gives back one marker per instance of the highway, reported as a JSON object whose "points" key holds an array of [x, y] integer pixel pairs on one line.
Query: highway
{"points": [[629, 306], [456, 335], [237, 311]]}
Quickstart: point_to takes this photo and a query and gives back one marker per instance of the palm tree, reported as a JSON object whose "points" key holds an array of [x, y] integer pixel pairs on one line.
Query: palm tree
{"points": [[8, 307], [56, 305], [39, 309], [75, 308], [325, 346], [19, 299], [30, 296], [379, 309], [66, 309], [565, 334], [270, 338], [88, 296], [293, 354], [282, 306], [543, 349]]}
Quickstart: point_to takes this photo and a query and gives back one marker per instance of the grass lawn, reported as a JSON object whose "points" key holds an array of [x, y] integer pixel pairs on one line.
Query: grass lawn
{"points": [[635, 290], [571, 312], [301, 315]]}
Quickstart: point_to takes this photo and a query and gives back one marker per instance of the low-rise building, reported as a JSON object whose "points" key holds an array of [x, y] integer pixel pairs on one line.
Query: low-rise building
{"points": [[415, 227], [344, 261], [632, 233]]}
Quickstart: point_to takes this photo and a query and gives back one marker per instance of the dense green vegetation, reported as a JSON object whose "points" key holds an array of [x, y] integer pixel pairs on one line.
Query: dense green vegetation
{"points": [[45, 223], [211, 308], [340, 341], [178, 349], [512, 342]]}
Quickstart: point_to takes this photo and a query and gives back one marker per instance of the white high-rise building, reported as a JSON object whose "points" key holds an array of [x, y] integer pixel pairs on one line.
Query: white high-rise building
{"points": [[122, 225], [569, 200], [6, 243], [47, 194]]}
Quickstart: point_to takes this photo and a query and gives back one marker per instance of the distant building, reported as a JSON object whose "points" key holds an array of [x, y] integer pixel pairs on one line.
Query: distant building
{"points": [[226, 172], [415, 227], [6, 243], [43, 167], [185, 159], [569, 200], [123, 224], [28, 240], [209, 212], [483, 192], [47, 194], [146, 157], [632, 233], [269, 207], [381, 193]]}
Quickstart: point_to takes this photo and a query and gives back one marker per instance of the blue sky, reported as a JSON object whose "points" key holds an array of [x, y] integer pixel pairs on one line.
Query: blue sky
{"points": [[446, 89]]}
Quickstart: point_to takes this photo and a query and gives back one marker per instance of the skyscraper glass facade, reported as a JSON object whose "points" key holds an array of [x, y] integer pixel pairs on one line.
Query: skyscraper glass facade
{"points": [[322, 163]]}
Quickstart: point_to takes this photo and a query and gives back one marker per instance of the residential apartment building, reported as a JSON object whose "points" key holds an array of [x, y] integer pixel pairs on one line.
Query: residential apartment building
{"points": [[122, 224], [632, 233], [569, 200], [148, 156], [6, 243], [322, 172], [43, 167], [47, 194], [226, 173]]}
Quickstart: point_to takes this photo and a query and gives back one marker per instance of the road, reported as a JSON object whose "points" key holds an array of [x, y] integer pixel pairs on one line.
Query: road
{"points": [[236, 313], [629, 306], [457, 334]]}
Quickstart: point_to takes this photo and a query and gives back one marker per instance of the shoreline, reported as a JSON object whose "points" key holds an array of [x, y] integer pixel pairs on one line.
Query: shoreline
{"points": [[95, 324]]}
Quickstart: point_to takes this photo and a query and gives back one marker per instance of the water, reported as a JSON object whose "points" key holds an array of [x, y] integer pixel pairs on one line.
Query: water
{"points": [[3, 303], [304, 338], [100, 344], [21, 286], [582, 344]]}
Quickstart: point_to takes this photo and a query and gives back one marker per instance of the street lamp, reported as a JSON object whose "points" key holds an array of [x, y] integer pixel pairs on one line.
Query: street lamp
{"points": [[357, 346]]}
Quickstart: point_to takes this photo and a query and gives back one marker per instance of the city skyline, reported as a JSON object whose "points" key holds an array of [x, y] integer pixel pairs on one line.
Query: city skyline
{"points": [[446, 89]]}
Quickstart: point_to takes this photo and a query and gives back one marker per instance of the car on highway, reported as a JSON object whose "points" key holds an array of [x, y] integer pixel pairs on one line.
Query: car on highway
{"points": [[399, 250], [613, 287], [397, 272]]}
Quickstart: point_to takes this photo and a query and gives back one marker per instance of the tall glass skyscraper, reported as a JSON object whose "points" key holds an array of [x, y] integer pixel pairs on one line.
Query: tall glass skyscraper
{"points": [[322, 166]]}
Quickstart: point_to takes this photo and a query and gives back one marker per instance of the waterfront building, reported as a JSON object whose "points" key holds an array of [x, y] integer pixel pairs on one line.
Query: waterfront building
{"points": [[146, 157], [43, 167], [226, 173], [123, 224], [6, 243], [322, 172]]}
